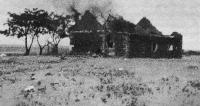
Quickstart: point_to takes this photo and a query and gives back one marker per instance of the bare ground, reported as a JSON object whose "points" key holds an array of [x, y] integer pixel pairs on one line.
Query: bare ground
{"points": [[87, 81]]}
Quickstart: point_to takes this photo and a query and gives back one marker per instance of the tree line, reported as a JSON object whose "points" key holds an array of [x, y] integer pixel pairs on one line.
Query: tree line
{"points": [[34, 23]]}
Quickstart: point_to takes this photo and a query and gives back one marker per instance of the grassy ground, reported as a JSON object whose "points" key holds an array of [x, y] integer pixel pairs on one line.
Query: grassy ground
{"points": [[20, 50], [87, 81]]}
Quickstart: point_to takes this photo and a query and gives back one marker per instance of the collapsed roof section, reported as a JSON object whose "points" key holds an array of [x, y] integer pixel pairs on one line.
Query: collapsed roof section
{"points": [[145, 27], [118, 24], [87, 23]]}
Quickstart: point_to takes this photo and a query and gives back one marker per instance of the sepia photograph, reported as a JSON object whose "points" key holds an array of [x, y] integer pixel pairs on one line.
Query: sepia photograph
{"points": [[99, 52]]}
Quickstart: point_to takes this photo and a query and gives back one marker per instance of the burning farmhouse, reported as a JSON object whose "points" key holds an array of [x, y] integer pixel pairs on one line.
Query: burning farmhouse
{"points": [[122, 38]]}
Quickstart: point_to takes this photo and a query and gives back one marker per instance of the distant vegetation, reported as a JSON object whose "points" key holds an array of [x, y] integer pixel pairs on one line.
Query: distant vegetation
{"points": [[191, 52]]}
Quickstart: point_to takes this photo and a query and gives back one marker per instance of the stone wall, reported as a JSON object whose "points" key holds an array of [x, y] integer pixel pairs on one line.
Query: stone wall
{"points": [[120, 44], [128, 45], [86, 42], [133, 45]]}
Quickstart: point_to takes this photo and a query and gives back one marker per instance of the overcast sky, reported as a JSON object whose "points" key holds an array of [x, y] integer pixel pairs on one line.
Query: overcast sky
{"points": [[167, 15]]}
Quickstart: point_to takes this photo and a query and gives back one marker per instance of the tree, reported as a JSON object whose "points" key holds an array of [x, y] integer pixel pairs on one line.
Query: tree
{"points": [[27, 24], [41, 46], [39, 26], [58, 28]]}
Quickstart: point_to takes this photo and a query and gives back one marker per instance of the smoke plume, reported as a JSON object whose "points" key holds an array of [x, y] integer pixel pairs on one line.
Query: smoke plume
{"points": [[100, 8]]}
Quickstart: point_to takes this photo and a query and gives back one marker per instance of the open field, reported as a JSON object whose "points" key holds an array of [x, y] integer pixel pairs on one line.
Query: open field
{"points": [[12, 50], [87, 81]]}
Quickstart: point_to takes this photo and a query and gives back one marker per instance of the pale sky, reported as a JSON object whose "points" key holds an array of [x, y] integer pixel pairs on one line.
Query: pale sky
{"points": [[182, 16]]}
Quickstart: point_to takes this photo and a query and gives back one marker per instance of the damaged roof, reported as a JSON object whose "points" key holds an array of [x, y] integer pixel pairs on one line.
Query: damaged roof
{"points": [[88, 22]]}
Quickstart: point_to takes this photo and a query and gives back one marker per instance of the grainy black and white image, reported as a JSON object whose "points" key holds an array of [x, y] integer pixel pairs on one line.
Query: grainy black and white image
{"points": [[99, 52]]}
